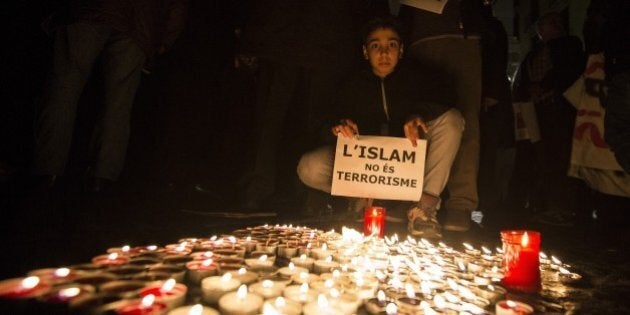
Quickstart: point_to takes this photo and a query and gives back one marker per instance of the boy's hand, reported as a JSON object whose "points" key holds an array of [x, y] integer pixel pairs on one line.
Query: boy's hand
{"points": [[347, 128], [415, 129]]}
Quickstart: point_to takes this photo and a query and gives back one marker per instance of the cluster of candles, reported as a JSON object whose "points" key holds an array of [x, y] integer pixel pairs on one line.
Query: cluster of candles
{"points": [[273, 269]]}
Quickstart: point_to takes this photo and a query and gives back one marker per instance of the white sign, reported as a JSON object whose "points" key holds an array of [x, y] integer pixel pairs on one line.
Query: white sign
{"points": [[379, 168]]}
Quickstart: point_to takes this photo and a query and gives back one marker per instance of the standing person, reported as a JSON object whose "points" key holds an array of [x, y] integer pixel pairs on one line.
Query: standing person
{"points": [[121, 37], [304, 48], [384, 100], [446, 43], [545, 73], [496, 119]]}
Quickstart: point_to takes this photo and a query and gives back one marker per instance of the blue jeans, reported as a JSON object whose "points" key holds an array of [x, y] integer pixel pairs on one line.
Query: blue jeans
{"points": [[315, 168], [77, 48]]}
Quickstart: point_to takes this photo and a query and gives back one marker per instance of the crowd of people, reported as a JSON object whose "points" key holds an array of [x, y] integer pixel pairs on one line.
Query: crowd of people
{"points": [[316, 69]]}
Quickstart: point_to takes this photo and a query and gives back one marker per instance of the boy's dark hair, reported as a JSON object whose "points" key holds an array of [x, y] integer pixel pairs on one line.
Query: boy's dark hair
{"points": [[385, 21]]}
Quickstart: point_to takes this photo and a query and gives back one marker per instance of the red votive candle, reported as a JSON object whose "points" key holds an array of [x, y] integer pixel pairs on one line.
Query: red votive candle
{"points": [[146, 306], [520, 260], [374, 221]]}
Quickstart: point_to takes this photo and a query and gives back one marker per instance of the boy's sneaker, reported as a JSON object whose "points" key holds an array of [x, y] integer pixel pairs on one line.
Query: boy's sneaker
{"points": [[457, 220], [423, 223]]}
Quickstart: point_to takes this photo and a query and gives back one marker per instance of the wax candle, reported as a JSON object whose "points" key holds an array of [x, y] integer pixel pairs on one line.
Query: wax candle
{"points": [[124, 288], [282, 306], [300, 293], [213, 288], [377, 305], [290, 270], [267, 289], [67, 293], [113, 259], [196, 309], [168, 292], [240, 302], [304, 277], [374, 221], [23, 288], [325, 265], [348, 303], [303, 261], [55, 275], [176, 272], [146, 306], [199, 269], [521, 260], [509, 307], [244, 276], [263, 260]]}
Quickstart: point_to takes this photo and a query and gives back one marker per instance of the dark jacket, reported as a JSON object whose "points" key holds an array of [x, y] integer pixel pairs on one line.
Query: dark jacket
{"points": [[151, 23], [362, 101], [459, 18]]}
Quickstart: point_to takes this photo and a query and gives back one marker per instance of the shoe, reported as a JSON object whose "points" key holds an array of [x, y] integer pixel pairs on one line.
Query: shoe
{"points": [[556, 217], [423, 223], [457, 220]]}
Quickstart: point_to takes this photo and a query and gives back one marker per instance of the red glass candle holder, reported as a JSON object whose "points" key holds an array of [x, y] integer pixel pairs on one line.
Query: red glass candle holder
{"points": [[374, 221], [520, 260]]}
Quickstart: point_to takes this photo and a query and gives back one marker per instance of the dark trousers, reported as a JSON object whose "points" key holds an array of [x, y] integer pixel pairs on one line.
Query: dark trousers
{"points": [[77, 49]]}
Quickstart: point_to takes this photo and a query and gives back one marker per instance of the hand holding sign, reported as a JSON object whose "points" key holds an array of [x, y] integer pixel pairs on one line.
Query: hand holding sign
{"points": [[379, 168]]}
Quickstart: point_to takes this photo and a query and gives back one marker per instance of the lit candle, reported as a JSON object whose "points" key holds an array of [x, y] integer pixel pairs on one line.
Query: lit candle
{"points": [[374, 221], [262, 261], [240, 302], [321, 253], [23, 288], [196, 309], [113, 259], [325, 265], [410, 303], [55, 275], [509, 307], [67, 293], [321, 307], [290, 270], [199, 269], [169, 292], [176, 272], [566, 276], [304, 277], [124, 288], [303, 261], [146, 306], [267, 289], [213, 288], [300, 293], [377, 305], [244, 276], [281, 306], [521, 260], [348, 303]]}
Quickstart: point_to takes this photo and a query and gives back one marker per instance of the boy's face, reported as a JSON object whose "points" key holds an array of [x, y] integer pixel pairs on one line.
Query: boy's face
{"points": [[383, 49]]}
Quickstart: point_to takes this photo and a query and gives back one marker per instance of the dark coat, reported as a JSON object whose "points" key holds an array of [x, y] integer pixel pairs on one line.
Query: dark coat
{"points": [[360, 99]]}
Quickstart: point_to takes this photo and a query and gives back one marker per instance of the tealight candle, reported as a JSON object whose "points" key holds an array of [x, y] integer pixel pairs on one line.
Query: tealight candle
{"points": [[267, 289], [521, 260], [280, 305], [176, 272], [146, 306], [287, 251], [300, 293], [509, 307], [179, 260], [244, 276], [290, 270], [377, 305], [240, 302], [261, 261], [321, 253], [348, 303], [67, 293], [566, 276], [303, 261], [325, 265], [490, 292], [55, 275], [410, 303], [199, 269], [304, 277], [321, 307], [169, 292], [113, 259], [124, 288], [23, 288], [196, 309], [213, 288]]}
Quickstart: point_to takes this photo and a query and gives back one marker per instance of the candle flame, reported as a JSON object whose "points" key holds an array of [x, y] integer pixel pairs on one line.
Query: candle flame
{"points": [[556, 260], [525, 240], [196, 309], [510, 303], [564, 270], [241, 294], [328, 259], [125, 248], [168, 285], [208, 254], [148, 300], [267, 284], [262, 258], [334, 293], [303, 276], [207, 262], [468, 246], [303, 257], [380, 296], [409, 291], [248, 239], [232, 239], [542, 255], [336, 273], [280, 302], [439, 301], [391, 309], [304, 287], [69, 292], [486, 250], [242, 271], [329, 283], [322, 301], [152, 247], [226, 277], [324, 247], [112, 256], [268, 309], [62, 272], [30, 282]]}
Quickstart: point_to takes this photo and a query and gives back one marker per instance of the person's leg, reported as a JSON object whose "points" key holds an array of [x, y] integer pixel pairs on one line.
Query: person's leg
{"points": [[122, 68], [315, 168], [76, 47]]}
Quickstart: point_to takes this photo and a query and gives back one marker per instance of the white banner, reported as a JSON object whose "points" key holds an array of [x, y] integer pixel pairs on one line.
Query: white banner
{"points": [[379, 168]]}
